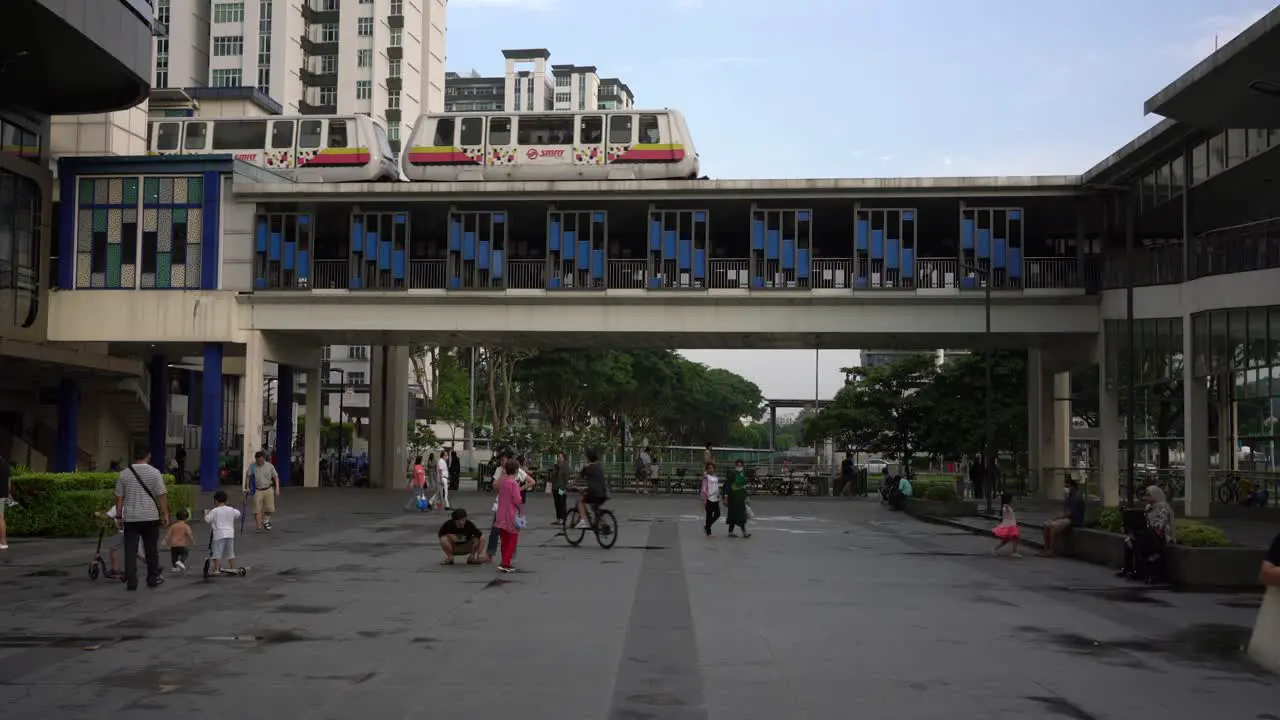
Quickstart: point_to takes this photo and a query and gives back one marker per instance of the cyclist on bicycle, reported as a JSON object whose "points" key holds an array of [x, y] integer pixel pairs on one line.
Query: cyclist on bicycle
{"points": [[596, 492]]}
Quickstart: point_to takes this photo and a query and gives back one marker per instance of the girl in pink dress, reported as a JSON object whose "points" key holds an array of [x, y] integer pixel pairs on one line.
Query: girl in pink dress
{"points": [[510, 516], [1007, 531]]}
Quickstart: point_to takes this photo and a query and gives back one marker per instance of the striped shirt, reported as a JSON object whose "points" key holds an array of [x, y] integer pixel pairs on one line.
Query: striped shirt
{"points": [[137, 505]]}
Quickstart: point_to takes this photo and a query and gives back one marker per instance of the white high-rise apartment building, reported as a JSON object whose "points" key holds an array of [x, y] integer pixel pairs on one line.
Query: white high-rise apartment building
{"points": [[383, 58], [526, 86]]}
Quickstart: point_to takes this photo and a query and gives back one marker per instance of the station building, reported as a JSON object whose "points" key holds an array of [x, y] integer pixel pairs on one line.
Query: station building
{"points": [[1160, 266]]}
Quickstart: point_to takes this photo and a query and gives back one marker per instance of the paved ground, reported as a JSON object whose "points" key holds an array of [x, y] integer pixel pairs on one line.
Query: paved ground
{"points": [[835, 609]]}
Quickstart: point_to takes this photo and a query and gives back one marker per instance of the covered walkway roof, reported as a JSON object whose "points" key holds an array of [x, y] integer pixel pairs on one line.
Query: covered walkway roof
{"points": [[1237, 86]]}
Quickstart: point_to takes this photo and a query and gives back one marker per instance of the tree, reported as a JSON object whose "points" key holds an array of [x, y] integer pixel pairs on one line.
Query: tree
{"points": [[421, 438], [499, 372], [878, 409], [332, 434], [452, 400], [955, 420]]}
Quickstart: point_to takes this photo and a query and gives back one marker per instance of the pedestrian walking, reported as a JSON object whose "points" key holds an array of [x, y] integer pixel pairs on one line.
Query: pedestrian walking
{"points": [[142, 508]]}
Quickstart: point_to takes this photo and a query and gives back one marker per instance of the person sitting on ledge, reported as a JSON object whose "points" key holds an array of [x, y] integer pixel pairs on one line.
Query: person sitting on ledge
{"points": [[1072, 517], [460, 536]]}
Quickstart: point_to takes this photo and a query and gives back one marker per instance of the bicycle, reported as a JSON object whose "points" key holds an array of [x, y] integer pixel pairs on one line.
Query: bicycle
{"points": [[603, 524]]}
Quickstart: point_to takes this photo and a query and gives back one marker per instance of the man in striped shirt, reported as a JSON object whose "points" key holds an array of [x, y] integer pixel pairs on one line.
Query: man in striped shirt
{"points": [[142, 507]]}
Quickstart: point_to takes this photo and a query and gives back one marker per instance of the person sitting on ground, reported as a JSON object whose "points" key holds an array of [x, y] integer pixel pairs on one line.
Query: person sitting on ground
{"points": [[460, 536], [1072, 517]]}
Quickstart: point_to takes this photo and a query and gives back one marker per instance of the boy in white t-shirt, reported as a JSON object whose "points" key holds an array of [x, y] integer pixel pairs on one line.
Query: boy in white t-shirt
{"points": [[222, 523]]}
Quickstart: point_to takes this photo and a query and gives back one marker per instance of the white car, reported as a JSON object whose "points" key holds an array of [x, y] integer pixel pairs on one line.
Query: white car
{"points": [[875, 466]]}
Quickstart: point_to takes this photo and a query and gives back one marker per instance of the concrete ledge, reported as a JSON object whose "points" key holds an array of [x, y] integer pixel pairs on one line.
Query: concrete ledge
{"points": [[917, 507], [1228, 567]]}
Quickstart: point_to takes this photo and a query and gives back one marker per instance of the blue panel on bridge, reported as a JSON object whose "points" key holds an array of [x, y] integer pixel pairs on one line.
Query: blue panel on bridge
{"points": [[700, 216], [397, 264], [802, 263], [290, 255], [400, 219], [757, 235], [908, 262], [891, 257], [1015, 262], [570, 245], [1015, 214], [260, 240], [984, 243], [455, 235], [908, 215], [553, 236], [597, 217], [655, 235], [684, 254], [468, 246], [997, 252], [861, 235], [669, 244], [788, 254], [966, 234], [699, 264], [304, 264], [877, 244], [483, 255], [370, 245], [584, 253], [597, 264], [384, 255], [772, 244], [274, 252], [497, 264]]}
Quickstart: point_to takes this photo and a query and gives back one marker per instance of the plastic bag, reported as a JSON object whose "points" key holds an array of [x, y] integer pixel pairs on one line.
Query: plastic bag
{"points": [[751, 514]]}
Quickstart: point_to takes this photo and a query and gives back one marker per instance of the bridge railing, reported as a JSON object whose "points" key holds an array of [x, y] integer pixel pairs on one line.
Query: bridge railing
{"points": [[860, 275]]}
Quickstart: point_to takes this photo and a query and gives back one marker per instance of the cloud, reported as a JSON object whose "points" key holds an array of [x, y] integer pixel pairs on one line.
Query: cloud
{"points": [[886, 158], [1215, 31]]}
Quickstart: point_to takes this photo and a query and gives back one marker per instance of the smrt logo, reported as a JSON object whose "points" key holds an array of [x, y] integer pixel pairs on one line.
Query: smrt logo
{"points": [[534, 154], [247, 157]]}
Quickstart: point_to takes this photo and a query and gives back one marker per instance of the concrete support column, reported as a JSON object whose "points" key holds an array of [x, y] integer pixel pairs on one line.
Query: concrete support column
{"points": [[311, 437], [1060, 450], [67, 443], [251, 387], [158, 420], [1195, 427], [388, 415], [1109, 431], [211, 402], [284, 423]]}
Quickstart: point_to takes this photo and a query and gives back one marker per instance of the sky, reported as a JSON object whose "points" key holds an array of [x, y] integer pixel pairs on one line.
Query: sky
{"points": [[870, 88]]}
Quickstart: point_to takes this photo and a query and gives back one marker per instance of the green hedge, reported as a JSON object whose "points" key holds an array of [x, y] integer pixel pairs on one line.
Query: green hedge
{"points": [[938, 488], [1190, 533], [68, 504]]}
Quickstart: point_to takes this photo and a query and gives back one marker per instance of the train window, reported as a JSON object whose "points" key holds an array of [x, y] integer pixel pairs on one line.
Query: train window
{"points": [[649, 132], [309, 134], [167, 136], [620, 130], [545, 130], [197, 136], [239, 134], [338, 134], [444, 133], [499, 131], [591, 130], [281, 134], [472, 131]]}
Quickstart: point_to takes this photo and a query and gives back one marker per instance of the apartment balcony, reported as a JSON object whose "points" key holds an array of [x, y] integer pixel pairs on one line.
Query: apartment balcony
{"points": [[318, 79], [307, 108], [395, 21], [393, 115], [313, 47], [319, 17]]}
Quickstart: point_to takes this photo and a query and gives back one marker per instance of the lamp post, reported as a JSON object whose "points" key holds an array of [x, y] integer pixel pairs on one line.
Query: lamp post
{"points": [[988, 426]]}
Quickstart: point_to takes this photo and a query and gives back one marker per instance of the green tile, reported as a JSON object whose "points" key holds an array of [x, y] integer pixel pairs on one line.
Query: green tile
{"points": [[113, 265], [179, 215], [164, 270], [86, 192], [195, 190], [131, 191], [99, 220], [151, 191]]}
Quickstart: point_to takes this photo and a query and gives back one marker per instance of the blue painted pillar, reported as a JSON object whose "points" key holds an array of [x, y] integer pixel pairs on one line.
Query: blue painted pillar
{"points": [[284, 423], [211, 417], [158, 424], [67, 444]]}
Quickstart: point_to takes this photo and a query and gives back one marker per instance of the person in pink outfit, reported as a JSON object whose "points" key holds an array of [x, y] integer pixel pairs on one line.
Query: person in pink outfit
{"points": [[510, 516], [1007, 531]]}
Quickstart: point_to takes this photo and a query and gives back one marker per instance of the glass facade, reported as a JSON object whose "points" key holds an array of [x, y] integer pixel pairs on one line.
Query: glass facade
{"points": [[1156, 360], [1238, 351], [139, 232], [20, 209]]}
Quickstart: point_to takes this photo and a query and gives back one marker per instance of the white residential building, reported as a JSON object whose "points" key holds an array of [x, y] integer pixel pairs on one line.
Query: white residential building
{"points": [[529, 84]]}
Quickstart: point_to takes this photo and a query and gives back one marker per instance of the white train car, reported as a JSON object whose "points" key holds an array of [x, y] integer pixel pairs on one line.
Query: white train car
{"points": [[313, 148], [599, 145]]}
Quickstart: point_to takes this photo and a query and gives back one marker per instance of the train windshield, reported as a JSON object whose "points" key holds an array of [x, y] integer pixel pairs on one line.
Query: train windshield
{"points": [[383, 145]]}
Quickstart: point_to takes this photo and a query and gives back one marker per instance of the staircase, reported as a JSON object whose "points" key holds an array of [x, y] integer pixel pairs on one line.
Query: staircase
{"points": [[131, 400]]}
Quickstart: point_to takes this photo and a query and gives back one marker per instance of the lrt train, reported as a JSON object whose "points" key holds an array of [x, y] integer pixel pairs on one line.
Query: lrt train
{"points": [[462, 147], [310, 148], [586, 145]]}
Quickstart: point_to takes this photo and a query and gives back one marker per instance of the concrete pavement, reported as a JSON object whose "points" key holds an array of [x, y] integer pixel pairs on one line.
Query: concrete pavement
{"points": [[834, 609]]}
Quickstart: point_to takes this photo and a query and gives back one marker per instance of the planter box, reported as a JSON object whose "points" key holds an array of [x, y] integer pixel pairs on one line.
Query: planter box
{"points": [[917, 507], [1225, 568]]}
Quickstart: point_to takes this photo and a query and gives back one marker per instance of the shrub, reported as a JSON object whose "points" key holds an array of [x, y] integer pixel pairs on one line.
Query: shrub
{"points": [[1107, 520], [67, 504], [1192, 533], [941, 492]]}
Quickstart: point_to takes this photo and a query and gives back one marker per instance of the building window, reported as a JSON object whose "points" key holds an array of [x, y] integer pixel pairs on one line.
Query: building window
{"points": [[364, 58], [393, 100], [328, 64], [228, 12], [228, 45], [563, 97], [562, 81], [364, 27], [397, 7], [355, 378], [397, 37], [328, 96], [329, 32], [357, 352], [19, 242], [326, 353], [131, 239], [264, 80], [264, 16], [393, 68], [364, 89], [162, 11], [225, 78], [264, 50], [328, 5], [393, 133], [162, 63]]}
